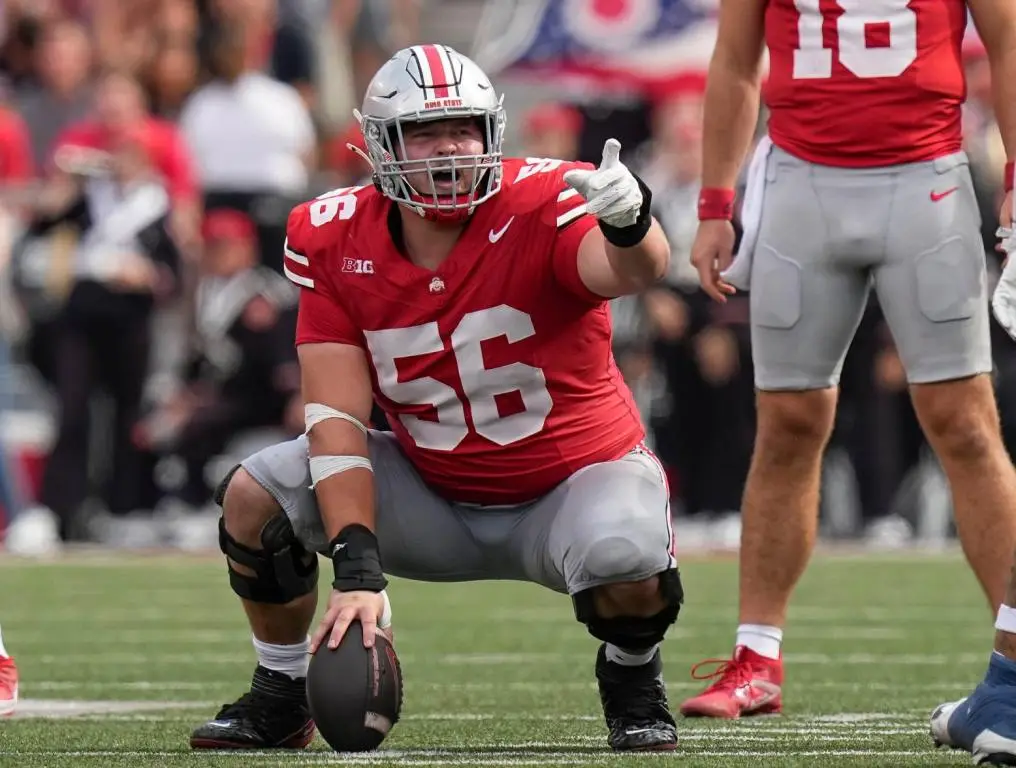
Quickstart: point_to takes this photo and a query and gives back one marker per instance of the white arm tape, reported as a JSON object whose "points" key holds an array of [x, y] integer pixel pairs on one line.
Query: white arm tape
{"points": [[326, 466], [315, 413], [386, 615]]}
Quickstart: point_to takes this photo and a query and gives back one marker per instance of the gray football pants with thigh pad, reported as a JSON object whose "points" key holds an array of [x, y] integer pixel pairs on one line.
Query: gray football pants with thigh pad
{"points": [[607, 523], [828, 234]]}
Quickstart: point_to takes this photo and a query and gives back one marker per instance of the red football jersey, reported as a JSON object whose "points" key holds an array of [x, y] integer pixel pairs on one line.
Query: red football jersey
{"points": [[865, 82], [495, 370]]}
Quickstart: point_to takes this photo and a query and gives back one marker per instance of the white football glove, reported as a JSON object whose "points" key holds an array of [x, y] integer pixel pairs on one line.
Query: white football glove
{"points": [[1003, 300], [611, 192]]}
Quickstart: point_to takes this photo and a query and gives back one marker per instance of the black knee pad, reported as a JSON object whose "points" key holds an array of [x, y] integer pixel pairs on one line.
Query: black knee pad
{"points": [[633, 632], [220, 490], [284, 570]]}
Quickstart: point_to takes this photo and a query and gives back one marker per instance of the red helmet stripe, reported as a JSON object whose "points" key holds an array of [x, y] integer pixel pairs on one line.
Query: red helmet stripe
{"points": [[440, 77]]}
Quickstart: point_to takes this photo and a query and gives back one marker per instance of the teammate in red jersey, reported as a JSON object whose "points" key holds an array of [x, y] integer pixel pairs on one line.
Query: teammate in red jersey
{"points": [[466, 294], [864, 184]]}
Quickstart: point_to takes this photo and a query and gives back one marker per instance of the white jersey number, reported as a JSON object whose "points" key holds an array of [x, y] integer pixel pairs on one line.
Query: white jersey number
{"points": [[338, 202], [480, 384], [859, 18]]}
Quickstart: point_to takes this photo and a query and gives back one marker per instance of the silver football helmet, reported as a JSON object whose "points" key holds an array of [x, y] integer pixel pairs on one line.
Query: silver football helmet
{"points": [[419, 84]]}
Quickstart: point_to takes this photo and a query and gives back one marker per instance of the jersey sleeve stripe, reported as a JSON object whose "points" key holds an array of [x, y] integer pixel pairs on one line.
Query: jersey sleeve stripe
{"points": [[299, 258], [570, 206], [306, 282], [295, 258], [569, 216]]}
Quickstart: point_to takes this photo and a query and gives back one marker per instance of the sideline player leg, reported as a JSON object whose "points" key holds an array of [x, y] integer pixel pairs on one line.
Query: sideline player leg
{"points": [[8, 682], [941, 329], [933, 290], [805, 307], [984, 723], [605, 537]]}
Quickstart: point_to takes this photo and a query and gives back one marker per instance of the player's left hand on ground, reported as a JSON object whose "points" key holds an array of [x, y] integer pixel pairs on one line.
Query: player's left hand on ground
{"points": [[343, 609], [611, 192]]}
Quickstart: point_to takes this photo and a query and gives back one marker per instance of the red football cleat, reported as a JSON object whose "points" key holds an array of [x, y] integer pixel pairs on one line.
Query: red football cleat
{"points": [[8, 686], [748, 684]]}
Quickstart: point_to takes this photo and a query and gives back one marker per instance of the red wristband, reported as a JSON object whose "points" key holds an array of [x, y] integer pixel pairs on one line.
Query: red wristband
{"points": [[1008, 175], [714, 203]]}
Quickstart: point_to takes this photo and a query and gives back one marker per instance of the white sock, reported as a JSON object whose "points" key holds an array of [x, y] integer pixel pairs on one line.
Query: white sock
{"points": [[3, 651], [291, 660], [630, 658], [761, 638], [1005, 621]]}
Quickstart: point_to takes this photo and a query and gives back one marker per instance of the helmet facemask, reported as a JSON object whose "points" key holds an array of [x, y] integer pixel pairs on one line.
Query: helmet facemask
{"points": [[386, 148]]}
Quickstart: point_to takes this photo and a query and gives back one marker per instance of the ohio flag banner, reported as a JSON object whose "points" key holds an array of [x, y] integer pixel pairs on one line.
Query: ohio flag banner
{"points": [[636, 44]]}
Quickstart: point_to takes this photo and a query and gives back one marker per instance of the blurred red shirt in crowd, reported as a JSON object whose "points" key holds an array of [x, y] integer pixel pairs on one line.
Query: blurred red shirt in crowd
{"points": [[15, 148], [120, 115]]}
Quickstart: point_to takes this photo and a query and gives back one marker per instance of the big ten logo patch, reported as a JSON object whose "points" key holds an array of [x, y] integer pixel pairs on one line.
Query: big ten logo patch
{"points": [[358, 266]]}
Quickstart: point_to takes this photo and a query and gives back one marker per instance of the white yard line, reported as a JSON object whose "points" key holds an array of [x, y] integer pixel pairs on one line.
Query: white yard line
{"points": [[245, 656], [944, 688], [61, 708], [534, 753]]}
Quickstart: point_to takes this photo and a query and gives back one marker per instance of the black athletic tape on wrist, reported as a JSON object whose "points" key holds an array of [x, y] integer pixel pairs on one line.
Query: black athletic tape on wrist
{"points": [[356, 560], [632, 235]]}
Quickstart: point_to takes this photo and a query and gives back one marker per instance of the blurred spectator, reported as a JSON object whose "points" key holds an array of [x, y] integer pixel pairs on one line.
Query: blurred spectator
{"points": [[124, 259], [702, 348], [253, 141], [173, 70], [15, 169], [61, 91], [244, 374], [15, 151], [23, 25], [120, 112], [375, 29], [171, 78], [552, 130], [11, 497], [341, 166], [273, 45]]}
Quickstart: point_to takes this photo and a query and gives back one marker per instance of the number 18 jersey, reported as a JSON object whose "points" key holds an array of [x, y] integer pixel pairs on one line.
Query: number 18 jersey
{"points": [[495, 370], [865, 82]]}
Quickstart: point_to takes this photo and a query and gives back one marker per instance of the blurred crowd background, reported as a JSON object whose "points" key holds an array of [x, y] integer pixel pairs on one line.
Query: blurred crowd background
{"points": [[150, 151]]}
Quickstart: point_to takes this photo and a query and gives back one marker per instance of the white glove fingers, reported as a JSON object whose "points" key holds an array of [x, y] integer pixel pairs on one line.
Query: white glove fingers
{"points": [[611, 154]]}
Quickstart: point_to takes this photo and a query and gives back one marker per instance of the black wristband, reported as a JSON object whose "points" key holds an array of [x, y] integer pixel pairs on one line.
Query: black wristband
{"points": [[632, 235], [356, 560]]}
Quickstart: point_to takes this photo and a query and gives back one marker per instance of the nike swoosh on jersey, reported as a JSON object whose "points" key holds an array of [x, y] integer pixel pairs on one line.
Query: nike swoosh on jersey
{"points": [[495, 236]]}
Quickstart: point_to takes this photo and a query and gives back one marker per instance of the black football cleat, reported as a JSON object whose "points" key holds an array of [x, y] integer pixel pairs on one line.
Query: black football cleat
{"points": [[635, 705], [272, 715]]}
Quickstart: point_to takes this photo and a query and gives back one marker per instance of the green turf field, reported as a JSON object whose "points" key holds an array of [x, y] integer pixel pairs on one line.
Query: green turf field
{"points": [[120, 657]]}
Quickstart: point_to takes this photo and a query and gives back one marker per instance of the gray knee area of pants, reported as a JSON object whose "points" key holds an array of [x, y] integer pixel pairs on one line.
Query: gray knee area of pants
{"points": [[617, 557], [614, 556], [612, 524], [283, 471]]}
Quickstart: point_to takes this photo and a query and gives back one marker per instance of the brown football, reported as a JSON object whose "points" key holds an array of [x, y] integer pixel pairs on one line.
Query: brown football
{"points": [[355, 693]]}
